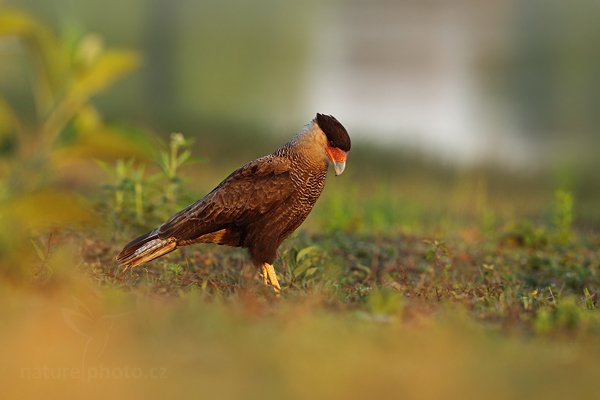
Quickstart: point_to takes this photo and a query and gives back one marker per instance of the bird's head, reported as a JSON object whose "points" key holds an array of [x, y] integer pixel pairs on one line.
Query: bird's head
{"points": [[337, 143]]}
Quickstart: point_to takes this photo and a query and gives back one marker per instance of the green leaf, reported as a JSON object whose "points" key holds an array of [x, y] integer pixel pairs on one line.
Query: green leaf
{"points": [[310, 271], [51, 61], [17, 23], [309, 251], [109, 67], [164, 163], [184, 157], [106, 143]]}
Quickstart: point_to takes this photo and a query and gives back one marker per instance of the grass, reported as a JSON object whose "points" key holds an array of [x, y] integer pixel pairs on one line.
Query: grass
{"points": [[467, 306], [385, 295], [379, 317]]}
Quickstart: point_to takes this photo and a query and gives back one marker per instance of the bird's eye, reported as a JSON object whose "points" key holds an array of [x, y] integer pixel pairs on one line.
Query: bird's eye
{"points": [[331, 143]]}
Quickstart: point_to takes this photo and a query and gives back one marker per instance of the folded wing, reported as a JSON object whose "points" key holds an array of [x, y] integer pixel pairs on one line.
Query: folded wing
{"points": [[223, 215]]}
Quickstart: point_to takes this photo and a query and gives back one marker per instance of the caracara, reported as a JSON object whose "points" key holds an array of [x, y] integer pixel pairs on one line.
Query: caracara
{"points": [[258, 205]]}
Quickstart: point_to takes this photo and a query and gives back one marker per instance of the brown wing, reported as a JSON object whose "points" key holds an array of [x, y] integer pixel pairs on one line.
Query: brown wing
{"points": [[241, 199]]}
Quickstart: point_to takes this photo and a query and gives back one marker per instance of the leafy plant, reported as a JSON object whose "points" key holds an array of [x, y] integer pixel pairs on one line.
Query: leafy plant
{"points": [[66, 129], [177, 155], [127, 191], [303, 265]]}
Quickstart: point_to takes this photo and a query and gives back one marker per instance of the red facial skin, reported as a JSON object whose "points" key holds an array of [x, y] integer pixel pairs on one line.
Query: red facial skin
{"points": [[335, 154]]}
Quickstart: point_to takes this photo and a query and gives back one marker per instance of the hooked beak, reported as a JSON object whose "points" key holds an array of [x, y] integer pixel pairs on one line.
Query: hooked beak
{"points": [[339, 167], [337, 158]]}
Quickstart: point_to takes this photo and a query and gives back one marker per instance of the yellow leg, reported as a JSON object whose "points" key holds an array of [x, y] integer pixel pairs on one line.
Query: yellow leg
{"points": [[269, 277]]}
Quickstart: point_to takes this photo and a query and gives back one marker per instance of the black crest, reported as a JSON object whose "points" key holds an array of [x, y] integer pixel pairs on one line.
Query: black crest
{"points": [[335, 132]]}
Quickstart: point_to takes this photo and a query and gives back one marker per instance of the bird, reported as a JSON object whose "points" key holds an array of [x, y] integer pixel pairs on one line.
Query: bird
{"points": [[258, 205]]}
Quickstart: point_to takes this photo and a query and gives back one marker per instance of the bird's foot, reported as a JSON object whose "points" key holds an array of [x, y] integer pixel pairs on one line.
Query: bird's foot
{"points": [[269, 277]]}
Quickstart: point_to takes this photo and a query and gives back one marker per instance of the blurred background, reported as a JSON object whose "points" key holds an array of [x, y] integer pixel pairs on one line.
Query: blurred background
{"points": [[497, 98], [474, 123], [465, 81]]}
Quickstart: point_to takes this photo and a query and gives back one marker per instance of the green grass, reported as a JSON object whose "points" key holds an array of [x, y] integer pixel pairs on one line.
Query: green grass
{"points": [[386, 293], [377, 316]]}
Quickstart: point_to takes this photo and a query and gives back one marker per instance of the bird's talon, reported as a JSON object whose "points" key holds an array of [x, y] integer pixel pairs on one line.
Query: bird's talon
{"points": [[270, 278]]}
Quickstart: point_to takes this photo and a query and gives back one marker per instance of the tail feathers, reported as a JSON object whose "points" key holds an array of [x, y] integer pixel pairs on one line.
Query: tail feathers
{"points": [[144, 249]]}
